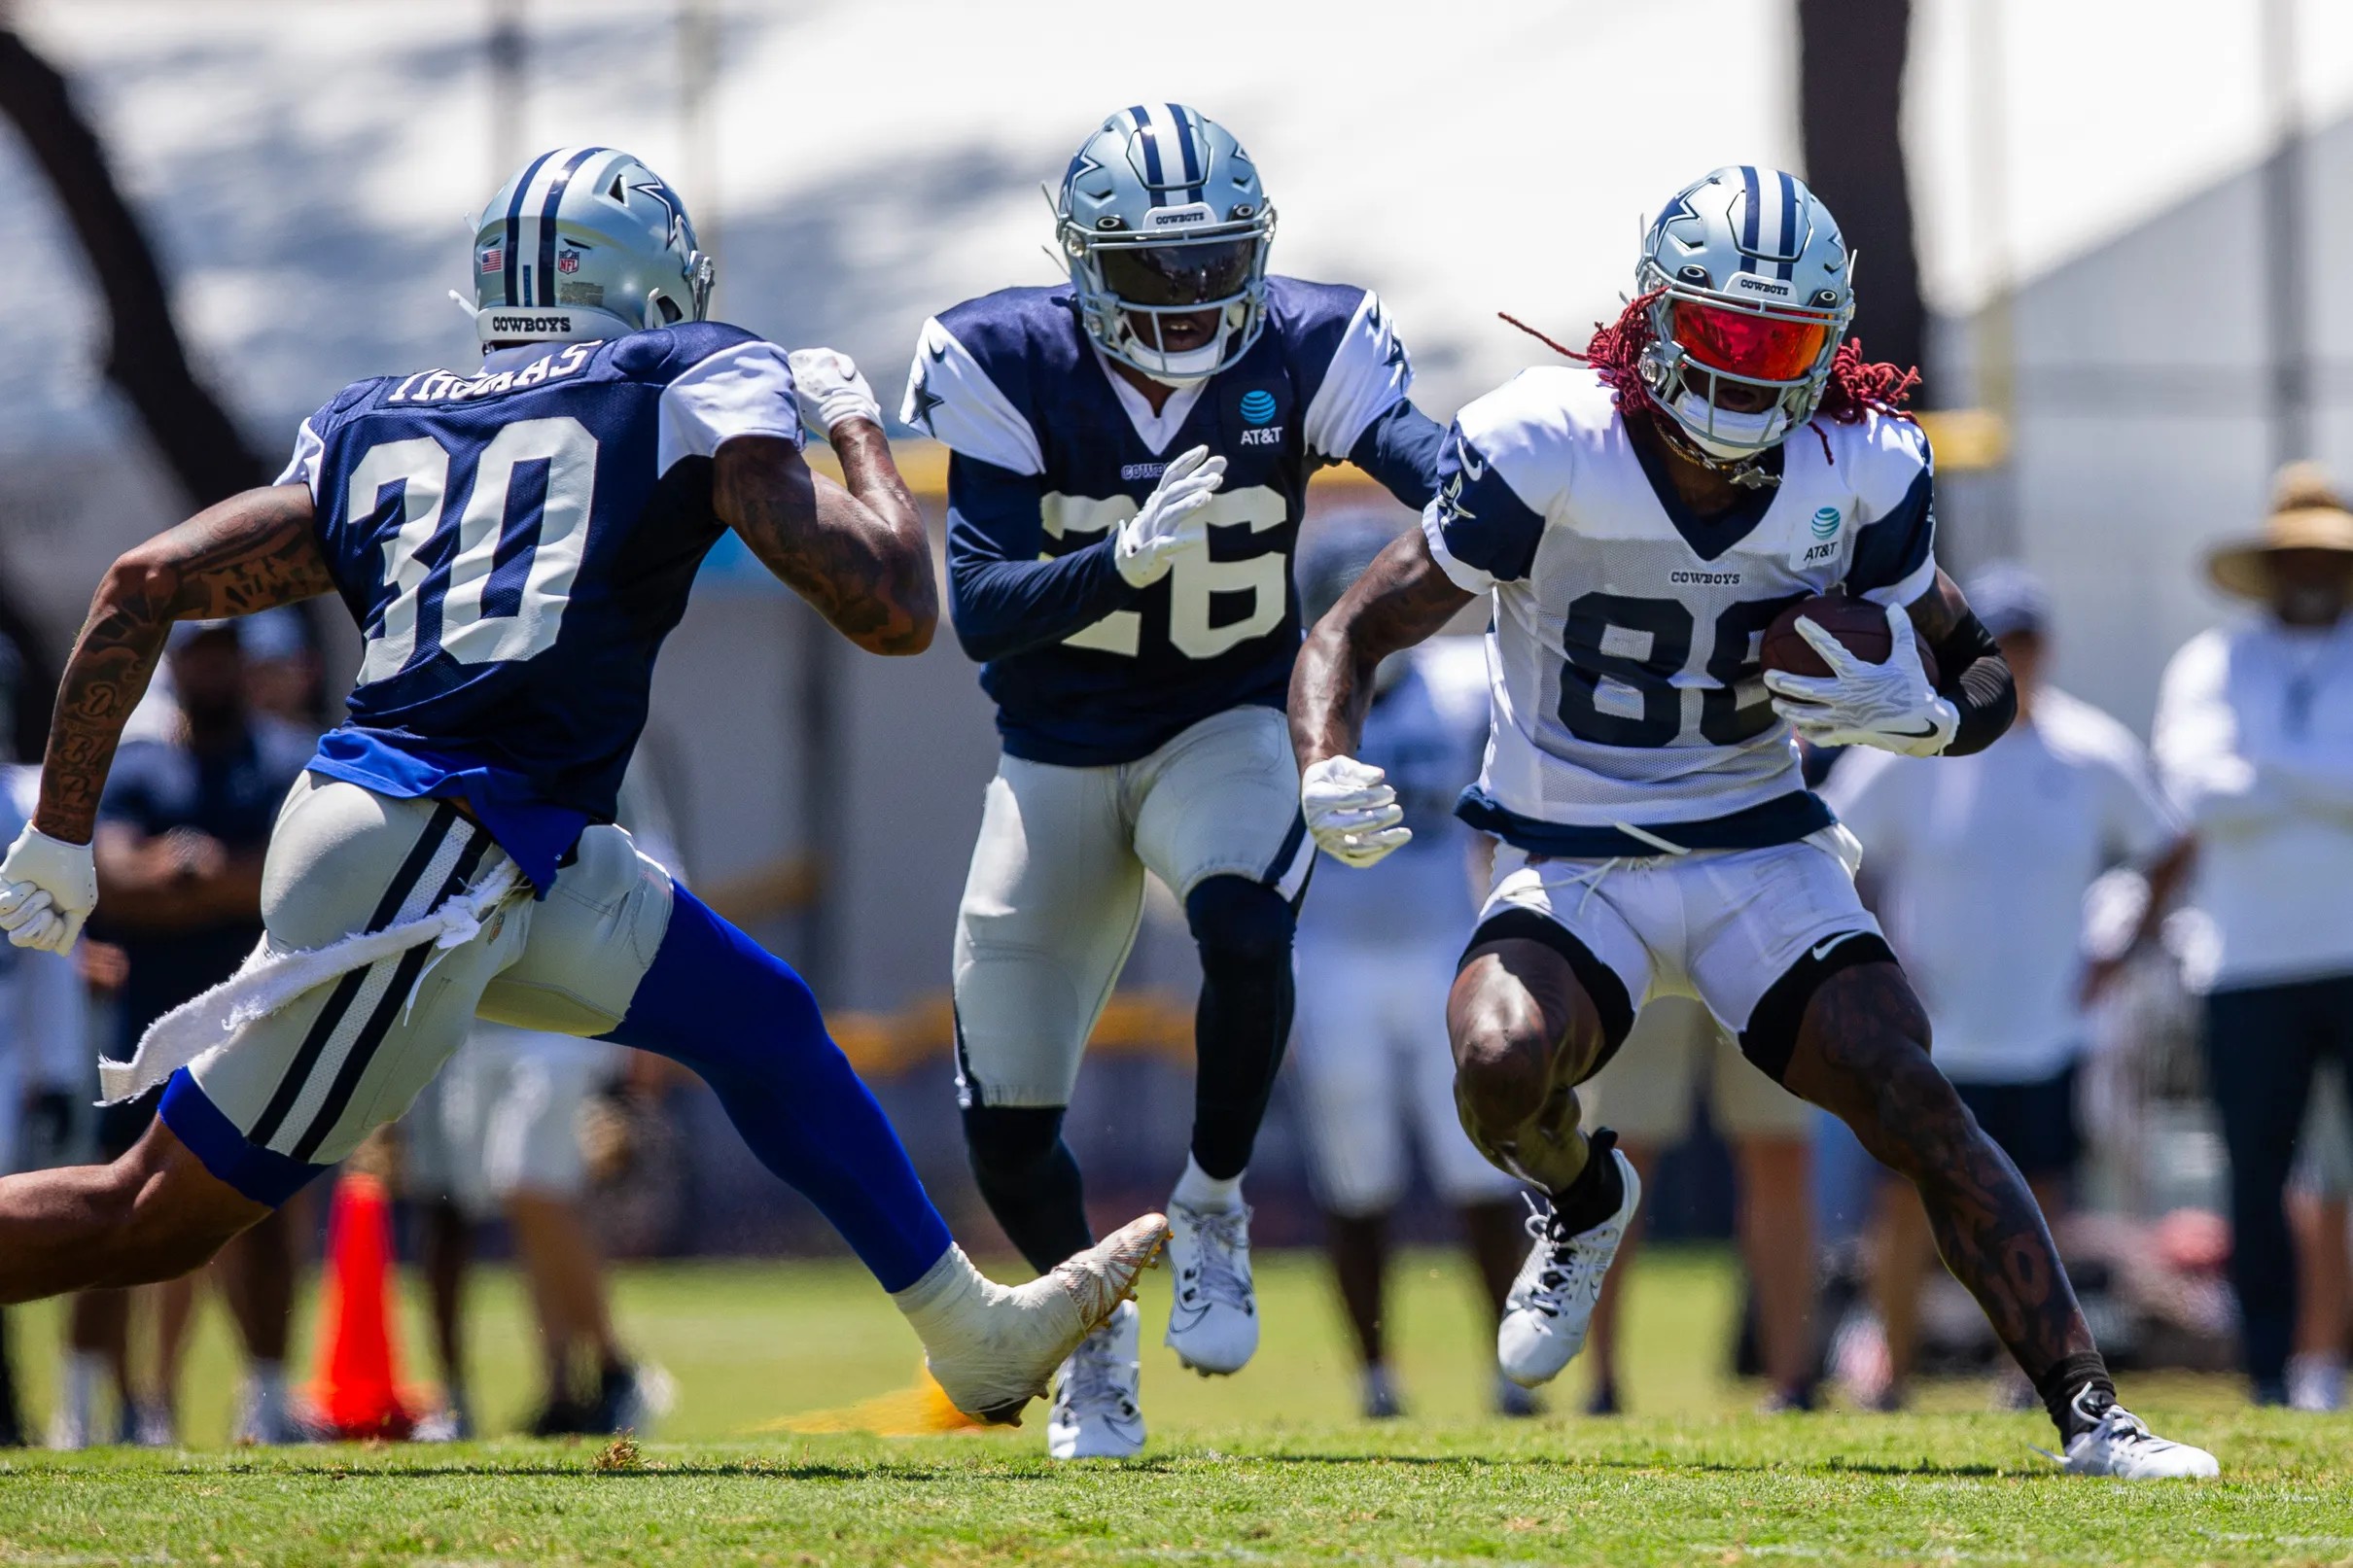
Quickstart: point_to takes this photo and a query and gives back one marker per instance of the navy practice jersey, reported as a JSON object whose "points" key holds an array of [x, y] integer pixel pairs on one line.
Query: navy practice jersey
{"points": [[1052, 452], [514, 543]]}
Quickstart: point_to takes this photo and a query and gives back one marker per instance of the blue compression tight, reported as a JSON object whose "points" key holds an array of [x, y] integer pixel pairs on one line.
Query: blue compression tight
{"points": [[722, 1004]]}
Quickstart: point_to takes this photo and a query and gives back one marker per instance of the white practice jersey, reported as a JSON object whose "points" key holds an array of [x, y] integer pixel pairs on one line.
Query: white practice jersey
{"points": [[1623, 650]]}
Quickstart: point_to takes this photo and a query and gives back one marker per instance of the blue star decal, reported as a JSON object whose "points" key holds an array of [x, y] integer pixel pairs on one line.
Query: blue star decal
{"points": [[681, 232], [926, 399]]}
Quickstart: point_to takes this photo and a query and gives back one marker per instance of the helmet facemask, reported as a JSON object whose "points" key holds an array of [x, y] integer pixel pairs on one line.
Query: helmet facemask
{"points": [[1133, 287]]}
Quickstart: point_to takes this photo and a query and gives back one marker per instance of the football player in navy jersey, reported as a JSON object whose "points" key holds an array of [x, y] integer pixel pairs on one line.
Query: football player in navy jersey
{"points": [[514, 542], [1131, 453], [1635, 523]]}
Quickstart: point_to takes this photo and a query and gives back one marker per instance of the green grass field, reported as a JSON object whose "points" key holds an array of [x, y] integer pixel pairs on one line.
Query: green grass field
{"points": [[1269, 1467]]}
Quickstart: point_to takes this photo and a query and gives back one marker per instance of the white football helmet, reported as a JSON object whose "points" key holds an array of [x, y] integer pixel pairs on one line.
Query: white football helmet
{"points": [[585, 242], [1754, 288]]}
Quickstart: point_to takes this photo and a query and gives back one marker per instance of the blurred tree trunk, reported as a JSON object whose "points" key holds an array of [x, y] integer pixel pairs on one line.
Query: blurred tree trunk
{"points": [[202, 445], [144, 358], [1850, 98]]}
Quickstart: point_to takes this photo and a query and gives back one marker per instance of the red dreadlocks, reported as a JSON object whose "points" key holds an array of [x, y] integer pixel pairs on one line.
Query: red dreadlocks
{"points": [[1855, 384]]}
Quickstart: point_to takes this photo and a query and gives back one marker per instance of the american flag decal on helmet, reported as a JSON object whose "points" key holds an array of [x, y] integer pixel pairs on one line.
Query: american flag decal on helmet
{"points": [[494, 260]]}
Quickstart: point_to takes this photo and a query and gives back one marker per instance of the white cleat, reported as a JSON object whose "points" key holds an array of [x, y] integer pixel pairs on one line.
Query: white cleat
{"points": [[994, 1347], [2120, 1445], [1213, 1322], [1552, 1301], [1095, 1415]]}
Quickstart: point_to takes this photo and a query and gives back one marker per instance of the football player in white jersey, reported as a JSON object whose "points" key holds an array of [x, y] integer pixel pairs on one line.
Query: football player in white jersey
{"points": [[1637, 522]]}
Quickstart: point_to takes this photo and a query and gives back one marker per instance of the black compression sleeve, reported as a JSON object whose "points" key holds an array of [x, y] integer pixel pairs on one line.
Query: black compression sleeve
{"points": [[1977, 680]]}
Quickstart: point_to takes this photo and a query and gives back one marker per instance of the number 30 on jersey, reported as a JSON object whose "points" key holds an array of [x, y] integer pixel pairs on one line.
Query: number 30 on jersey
{"points": [[497, 592]]}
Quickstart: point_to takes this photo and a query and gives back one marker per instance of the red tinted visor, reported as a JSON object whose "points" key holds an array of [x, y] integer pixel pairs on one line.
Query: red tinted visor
{"points": [[1765, 348]]}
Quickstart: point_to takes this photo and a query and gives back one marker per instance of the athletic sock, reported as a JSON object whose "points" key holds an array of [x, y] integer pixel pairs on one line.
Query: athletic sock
{"points": [[1198, 1189], [1030, 1179], [1244, 1018], [1598, 1191], [722, 1004], [2077, 1391]]}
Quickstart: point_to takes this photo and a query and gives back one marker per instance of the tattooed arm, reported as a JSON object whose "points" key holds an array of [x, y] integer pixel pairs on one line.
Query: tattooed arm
{"points": [[861, 556], [249, 553], [1402, 598]]}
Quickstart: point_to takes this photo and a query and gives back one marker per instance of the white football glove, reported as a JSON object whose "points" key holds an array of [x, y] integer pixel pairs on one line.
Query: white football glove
{"points": [[1890, 705], [831, 388], [48, 889], [1170, 523], [1352, 810]]}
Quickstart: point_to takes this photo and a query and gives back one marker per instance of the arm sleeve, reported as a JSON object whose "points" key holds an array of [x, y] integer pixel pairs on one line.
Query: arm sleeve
{"points": [[2197, 743], [1002, 598], [745, 389], [1368, 374], [1400, 449], [1976, 680], [1481, 529], [303, 468], [1894, 559]]}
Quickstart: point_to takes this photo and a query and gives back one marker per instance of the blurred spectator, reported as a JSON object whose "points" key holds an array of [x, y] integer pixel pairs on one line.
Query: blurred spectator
{"points": [[2318, 1218], [2255, 736], [1978, 867], [182, 828], [44, 1061], [1648, 1093], [1377, 949], [284, 675], [498, 1133]]}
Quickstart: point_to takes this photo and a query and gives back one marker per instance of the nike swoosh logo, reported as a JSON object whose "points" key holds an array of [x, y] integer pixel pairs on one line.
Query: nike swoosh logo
{"points": [[1473, 471], [1912, 734], [1817, 955]]}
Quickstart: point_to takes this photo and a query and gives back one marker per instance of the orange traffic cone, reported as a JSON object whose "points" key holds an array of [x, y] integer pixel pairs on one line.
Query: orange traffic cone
{"points": [[357, 1394]]}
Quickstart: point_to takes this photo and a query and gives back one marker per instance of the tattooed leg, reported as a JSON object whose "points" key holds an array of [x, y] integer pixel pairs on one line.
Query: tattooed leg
{"points": [[1862, 1053], [1524, 1034]]}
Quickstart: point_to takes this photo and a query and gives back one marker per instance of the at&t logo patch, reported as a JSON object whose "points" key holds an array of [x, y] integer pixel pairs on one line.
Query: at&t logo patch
{"points": [[1257, 406], [1826, 522]]}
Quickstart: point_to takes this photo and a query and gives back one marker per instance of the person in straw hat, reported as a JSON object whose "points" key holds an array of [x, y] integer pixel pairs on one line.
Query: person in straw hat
{"points": [[2254, 737]]}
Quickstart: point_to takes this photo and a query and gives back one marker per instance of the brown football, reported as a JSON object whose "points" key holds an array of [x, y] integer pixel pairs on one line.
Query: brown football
{"points": [[1859, 625]]}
